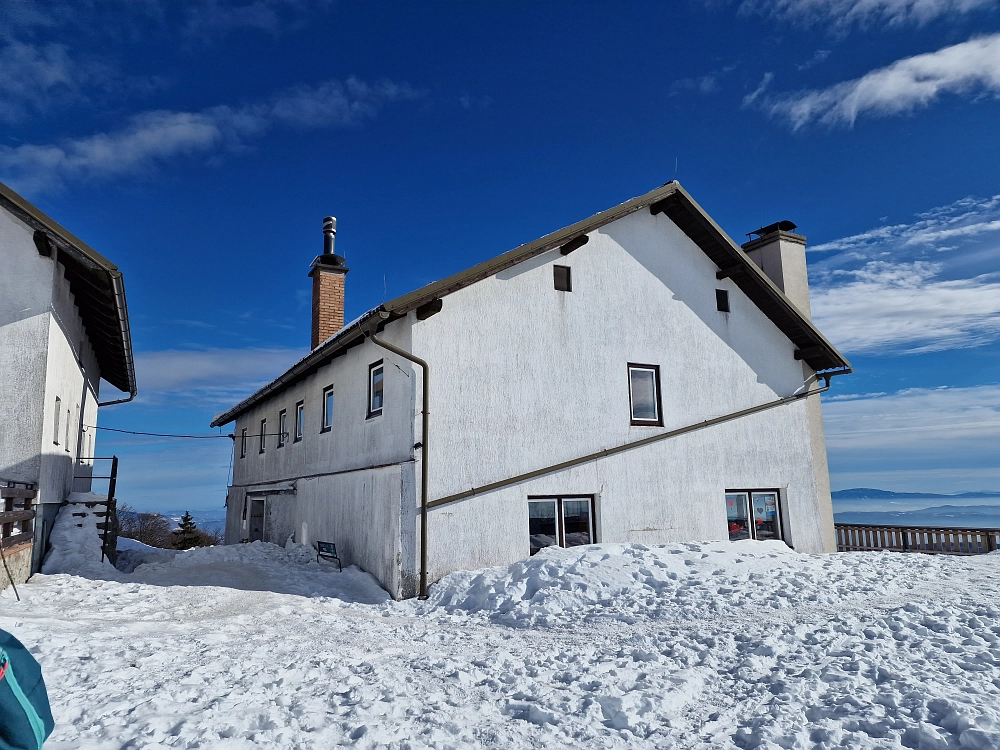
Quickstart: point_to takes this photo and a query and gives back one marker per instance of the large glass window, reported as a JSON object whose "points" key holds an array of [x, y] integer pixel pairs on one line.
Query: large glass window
{"points": [[560, 521], [376, 376], [736, 516], [543, 528], [753, 514], [327, 408], [644, 394], [766, 524]]}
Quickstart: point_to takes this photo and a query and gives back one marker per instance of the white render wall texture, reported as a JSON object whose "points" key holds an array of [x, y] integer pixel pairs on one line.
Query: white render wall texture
{"points": [[524, 376], [45, 353]]}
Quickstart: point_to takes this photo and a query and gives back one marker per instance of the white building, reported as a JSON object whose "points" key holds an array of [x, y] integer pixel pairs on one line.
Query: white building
{"points": [[635, 377], [63, 327]]}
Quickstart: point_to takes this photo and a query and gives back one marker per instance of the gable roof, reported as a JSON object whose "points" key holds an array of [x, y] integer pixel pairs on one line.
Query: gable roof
{"points": [[97, 287], [670, 199]]}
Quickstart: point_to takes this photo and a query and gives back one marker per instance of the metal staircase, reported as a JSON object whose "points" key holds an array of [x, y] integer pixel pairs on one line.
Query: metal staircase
{"points": [[109, 526]]}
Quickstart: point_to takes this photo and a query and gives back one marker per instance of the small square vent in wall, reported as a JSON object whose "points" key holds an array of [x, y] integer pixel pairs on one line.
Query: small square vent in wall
{"points": [[561, 278], [722, 300]]}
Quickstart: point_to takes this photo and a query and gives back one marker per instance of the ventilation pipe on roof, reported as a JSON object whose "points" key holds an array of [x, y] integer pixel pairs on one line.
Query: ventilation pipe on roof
{"points": [[327, 272]]}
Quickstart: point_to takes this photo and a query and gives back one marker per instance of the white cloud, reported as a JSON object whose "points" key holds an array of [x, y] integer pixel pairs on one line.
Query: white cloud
{"points": [[839, 14], [930, 439], [757, 92], [36, 78], [971, 67], [212, 377], [905, 307], [208, 18], [929, 285], [157, 136], [704, 84], [818, 56]]}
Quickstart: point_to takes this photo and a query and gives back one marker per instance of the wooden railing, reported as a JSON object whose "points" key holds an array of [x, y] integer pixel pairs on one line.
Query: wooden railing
{"points": [[17, 517], [927, 539]]}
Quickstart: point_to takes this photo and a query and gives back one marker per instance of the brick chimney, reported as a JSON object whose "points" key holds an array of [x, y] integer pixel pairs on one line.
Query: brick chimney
{"points": [[781, 255], [327, 272]]}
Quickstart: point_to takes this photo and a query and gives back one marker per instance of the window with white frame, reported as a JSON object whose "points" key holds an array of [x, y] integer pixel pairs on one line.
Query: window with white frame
{"points": [[300, 420], [753, 514], [644, 394], [282, 428], [263, 435], [55, 430], [376, 377], [243, 443], [564, 521], [327, 409]]}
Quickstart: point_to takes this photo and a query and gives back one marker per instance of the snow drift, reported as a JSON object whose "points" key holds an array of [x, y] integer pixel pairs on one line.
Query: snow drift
{"points": [[701, 645]]}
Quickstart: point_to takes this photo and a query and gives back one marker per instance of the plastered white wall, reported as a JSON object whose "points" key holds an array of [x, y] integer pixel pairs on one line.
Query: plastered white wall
{"points": [[44, 353], [348, 481], [525, 376]]}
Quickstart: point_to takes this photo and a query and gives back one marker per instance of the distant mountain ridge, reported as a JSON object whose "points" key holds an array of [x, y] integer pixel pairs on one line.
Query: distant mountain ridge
{"points": [[867, 493], [945, 516]]}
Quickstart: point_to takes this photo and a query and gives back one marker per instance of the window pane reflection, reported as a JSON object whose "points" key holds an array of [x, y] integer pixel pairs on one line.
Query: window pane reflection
{"points": [[765, 515], [736, 516], [377, 389], [643, 394], [576, 522], [542, 524]]}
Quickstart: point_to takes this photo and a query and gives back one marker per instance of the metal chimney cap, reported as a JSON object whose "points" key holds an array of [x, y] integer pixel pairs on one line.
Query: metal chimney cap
{"points": [[778, 226], [330, 224]]}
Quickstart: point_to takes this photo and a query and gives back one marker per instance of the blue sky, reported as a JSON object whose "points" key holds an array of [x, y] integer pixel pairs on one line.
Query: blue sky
{"points": [[199, 146]]}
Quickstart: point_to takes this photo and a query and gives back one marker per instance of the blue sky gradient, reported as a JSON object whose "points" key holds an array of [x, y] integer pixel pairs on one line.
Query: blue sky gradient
{"points": [[199, 146]]}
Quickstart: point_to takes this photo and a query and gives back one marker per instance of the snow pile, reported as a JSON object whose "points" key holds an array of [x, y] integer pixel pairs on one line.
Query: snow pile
{"points": [[75, 539], [631, 582], [133, 553], [705, 645], [258, 566]]}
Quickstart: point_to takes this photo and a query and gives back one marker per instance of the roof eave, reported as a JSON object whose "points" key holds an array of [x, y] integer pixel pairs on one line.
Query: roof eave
{"points": [[712, 240], [121, 372]]}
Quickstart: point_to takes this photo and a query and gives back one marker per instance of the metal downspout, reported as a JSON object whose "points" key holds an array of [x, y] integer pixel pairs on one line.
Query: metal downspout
{"points": [[424, 438]]}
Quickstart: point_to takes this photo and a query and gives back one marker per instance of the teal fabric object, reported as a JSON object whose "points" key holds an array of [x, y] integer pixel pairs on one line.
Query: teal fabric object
{"points": [[25, 716]]}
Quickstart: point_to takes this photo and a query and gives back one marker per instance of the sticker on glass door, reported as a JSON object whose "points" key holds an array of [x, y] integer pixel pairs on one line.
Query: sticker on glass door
{"points": [[560, 521], [753, 514]]}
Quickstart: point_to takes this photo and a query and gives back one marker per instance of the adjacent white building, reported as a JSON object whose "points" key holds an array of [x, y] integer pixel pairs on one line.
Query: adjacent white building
{"points": [[635, 377], [63, 327]]}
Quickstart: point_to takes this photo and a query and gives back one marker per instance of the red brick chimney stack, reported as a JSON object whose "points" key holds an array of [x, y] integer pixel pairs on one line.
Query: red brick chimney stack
{"points": [[327, 272]]}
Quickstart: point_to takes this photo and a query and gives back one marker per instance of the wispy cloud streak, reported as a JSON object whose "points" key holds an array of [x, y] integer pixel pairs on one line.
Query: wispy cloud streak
{"points": [[208, 378], [972, 67], [154, 137], [929, 285], [844, 13]]}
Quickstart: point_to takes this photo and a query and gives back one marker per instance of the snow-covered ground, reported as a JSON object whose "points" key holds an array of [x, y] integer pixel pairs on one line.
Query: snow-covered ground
{"points": [[707, 645]]}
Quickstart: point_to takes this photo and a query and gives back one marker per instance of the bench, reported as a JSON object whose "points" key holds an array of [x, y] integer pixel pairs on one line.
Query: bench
{"points": [[328, 551]]}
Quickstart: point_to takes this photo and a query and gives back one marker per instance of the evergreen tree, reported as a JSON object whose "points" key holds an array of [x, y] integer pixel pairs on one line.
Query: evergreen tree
{"points": [[187, 535]]}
